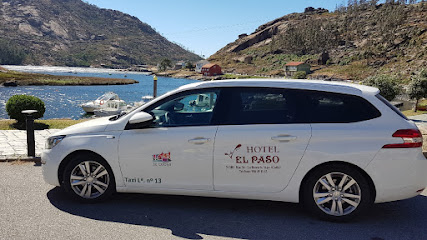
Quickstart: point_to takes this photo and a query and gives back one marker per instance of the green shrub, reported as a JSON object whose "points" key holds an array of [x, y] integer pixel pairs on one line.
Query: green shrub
{"points": [[388, 85], [18, 103], [11, 53], [164, 64], [418, 88], [300, 75], [344, 62], [189, 66]]}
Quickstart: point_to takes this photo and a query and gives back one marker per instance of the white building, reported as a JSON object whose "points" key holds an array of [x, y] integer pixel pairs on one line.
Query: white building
{"points": [[200, 64]]}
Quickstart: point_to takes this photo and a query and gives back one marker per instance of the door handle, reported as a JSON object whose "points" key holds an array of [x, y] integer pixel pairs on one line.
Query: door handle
{"points": [[199, 140], [284, 138]]}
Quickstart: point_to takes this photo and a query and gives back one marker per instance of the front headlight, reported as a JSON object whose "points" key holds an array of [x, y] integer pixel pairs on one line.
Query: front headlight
{"points": [[53, 141]]}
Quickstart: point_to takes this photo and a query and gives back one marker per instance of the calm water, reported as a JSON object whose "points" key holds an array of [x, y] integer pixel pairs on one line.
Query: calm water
{"points": [[65, 101]]}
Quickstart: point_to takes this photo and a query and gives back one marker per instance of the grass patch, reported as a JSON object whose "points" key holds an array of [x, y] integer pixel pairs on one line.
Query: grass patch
{"points": [[355, 71], [23, 79], [60, 123], [40, 124], [409, 113], [422, 103], [235, 76]]}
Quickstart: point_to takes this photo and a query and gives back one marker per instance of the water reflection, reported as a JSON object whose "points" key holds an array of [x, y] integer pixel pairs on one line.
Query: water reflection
{"points": [[65, 101]]}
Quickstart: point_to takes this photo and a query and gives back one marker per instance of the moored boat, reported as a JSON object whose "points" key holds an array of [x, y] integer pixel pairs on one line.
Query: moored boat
{"points": [[112, 107], [144, 100], [91, 106]]}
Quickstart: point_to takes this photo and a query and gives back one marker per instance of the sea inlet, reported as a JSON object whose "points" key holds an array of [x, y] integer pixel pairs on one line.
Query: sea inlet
{"points": [[65, 101]]}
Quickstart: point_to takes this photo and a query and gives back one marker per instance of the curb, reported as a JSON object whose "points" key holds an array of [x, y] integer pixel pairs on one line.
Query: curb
{"points": [[22, 159]]}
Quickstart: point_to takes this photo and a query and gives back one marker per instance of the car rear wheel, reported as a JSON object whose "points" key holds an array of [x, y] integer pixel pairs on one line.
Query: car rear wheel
{"points": [[88, 178], [336, 192]]}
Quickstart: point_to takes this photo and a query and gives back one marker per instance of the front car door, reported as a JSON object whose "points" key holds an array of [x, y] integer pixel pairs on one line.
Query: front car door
{"points": [[175, 151], [260, 141]]}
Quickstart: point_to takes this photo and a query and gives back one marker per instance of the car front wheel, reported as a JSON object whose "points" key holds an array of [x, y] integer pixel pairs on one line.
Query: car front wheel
{"points": [[88, 178], [337, 192]]}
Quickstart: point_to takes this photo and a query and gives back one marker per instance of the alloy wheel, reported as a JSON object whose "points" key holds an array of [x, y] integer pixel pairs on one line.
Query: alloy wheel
{"points": [[337, 194], [89, 179]]}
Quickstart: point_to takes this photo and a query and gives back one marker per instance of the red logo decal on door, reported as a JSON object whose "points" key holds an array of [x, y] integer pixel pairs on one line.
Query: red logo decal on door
{"points": [[230, 154], [162, 157]]}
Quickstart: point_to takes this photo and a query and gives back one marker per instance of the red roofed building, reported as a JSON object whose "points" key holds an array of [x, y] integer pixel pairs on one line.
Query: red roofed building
{"points": [[293, 67], [211, 69]]}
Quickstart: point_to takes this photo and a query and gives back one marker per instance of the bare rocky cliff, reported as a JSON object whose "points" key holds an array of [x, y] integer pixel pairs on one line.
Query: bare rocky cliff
{"points": [[352, 42], [74, 33]]}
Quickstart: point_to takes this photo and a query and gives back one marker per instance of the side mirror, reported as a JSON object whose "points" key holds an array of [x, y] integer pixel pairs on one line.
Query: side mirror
{"points": [[178, 106], [140, 117]]}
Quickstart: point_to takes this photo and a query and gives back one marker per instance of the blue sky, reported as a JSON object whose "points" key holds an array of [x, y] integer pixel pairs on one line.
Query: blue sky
{"points": [[206, 26]]}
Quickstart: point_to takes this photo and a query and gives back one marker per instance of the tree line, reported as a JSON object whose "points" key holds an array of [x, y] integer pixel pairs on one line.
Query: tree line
{"points": [[364, 4], [389, 86], [11, 53]]}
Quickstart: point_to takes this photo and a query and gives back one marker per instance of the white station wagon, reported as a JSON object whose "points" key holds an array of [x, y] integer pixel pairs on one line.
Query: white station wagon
{"points": [[334, 147]]}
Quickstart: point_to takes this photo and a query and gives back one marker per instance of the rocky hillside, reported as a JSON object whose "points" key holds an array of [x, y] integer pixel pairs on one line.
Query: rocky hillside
{"points": [[352, 42], [74, 33]]}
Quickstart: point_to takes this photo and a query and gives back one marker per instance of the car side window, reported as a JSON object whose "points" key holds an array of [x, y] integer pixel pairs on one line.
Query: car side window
{"points": [[288, 106], [193, 109], [327, 107], [260, 106]]}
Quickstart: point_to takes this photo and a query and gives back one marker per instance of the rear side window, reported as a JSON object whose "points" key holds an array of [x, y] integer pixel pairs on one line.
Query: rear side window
{"points": [[327, 107], [259, 106]]}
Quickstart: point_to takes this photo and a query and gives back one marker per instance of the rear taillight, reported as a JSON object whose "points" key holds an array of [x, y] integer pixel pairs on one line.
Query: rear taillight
{"points": [[412, 138]]}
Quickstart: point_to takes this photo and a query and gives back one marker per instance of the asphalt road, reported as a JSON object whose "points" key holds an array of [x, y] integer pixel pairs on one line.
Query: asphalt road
{"points": [[31, 209]]}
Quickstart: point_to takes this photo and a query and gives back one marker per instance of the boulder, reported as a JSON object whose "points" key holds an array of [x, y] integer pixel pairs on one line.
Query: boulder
{"points": [[314, 10], [12, 83], [243, 35], [244, 59], [247, 59]]}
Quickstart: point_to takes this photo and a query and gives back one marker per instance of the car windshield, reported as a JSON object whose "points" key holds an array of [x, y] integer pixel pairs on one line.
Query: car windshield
{"points": [[108, 96], [145, 100]]}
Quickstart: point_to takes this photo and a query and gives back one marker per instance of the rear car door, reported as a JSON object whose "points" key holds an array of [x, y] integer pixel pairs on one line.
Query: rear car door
{"points": [[260, 140]]}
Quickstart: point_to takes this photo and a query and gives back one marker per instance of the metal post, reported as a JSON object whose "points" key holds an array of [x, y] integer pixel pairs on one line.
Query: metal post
{"points": [[31, 143], [154, 86]]}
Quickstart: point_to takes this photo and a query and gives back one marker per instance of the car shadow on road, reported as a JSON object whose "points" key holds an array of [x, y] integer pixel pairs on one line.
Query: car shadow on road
{"points": [[187, 217]]}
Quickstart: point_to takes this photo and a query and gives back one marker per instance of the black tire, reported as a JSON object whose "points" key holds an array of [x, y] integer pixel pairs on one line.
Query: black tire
{"points": [[343, 204], [95, 186]]}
